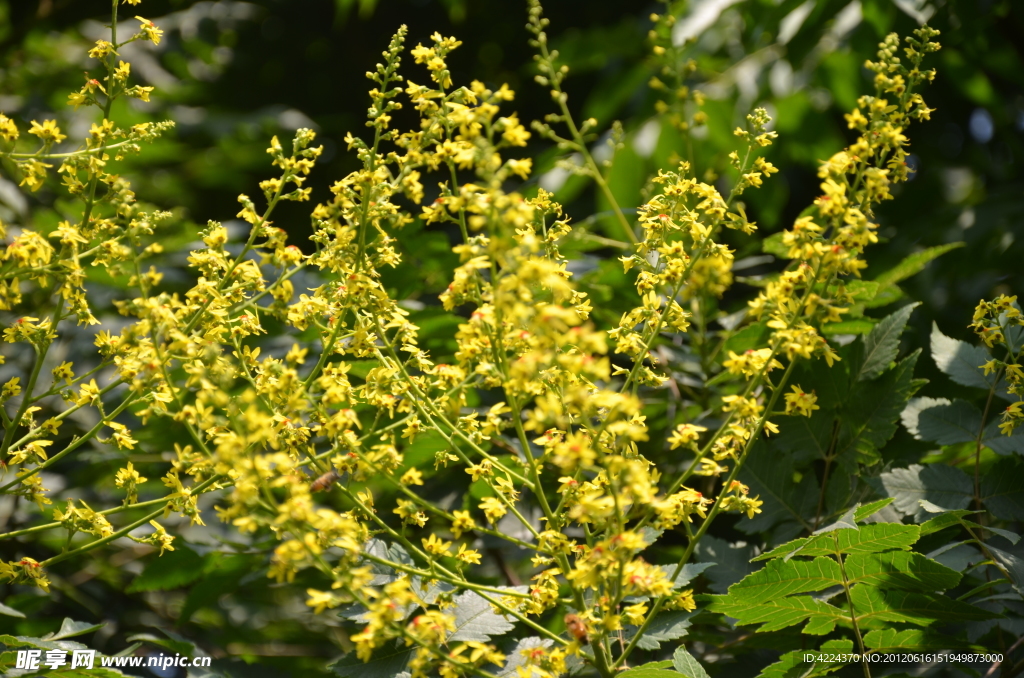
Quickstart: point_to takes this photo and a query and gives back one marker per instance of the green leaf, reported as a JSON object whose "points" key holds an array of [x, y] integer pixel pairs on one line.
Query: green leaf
{"points": [[475, 620], [385, 663], [883, 343], [792, 664], [70, 629], [1002, 490], [648, 671], [914, 264], [886, 295], [872, 409], [685, 664], [957, 422], [780, 613], [10, 611], [873, 538], [873, 605], [785, 577], [893, 640], [665, 627], [1003, 444], [946, 518], [787, 500], [731, 561], [912, 412], [845, 522], [961, 361], [900, 569], [1014, 566], [942, 485], [172, 570], [866, 511]]}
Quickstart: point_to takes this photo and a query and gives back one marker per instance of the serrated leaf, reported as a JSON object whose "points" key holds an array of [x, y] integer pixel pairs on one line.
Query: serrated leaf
{"points": [[780, 613], [386, 663], [872, 410], [690, 572], [70, 628], [894, 640], [914, 264], [960, 360], [945, 519], [1003, 444], [943, 485], [685, 664], [394, 552], [475, 620], [957, 422], [665, 627], [845, 522], [873, 538], [1002, 490], [873, 605], [867, 510], [732, 562], [1011, 537], [912, 412], [792, 664], [786, 577], [769, 474], [883, 343], [900, 569]]}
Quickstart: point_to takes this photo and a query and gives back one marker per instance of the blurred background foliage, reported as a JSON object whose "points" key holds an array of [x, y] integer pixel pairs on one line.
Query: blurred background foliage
{"points": [[232, 73]]}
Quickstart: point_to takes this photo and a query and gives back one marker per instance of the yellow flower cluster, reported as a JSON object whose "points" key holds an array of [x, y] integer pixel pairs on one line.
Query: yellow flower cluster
{"points": [[564, 428]]}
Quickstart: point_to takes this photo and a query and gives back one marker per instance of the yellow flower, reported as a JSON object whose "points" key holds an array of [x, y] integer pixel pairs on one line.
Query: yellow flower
{"points": [[468, 555], [48, 131], [412, 477], [800, 403], [149, 30], [433, 544]]}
